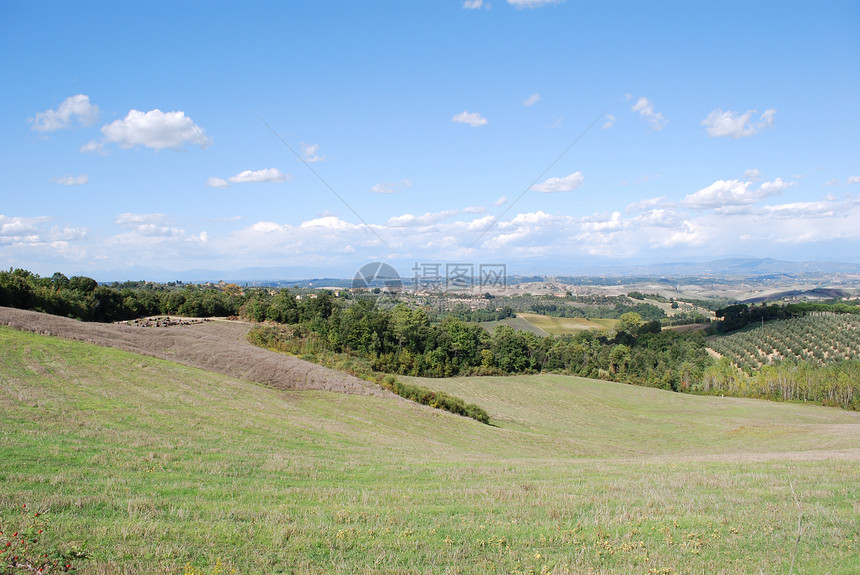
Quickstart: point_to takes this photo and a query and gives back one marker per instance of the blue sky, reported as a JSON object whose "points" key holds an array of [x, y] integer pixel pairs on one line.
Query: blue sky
{"points": [[320, 136]]}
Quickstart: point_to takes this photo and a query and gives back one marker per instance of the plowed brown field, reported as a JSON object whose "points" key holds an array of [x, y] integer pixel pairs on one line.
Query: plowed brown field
{"points": [[217, 345]]}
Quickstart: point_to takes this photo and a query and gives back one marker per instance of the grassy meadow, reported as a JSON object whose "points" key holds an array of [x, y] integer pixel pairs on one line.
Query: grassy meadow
{"points": [[162, 468]]}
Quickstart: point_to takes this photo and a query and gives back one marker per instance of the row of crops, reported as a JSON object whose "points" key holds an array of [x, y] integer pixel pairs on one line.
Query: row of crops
{"points": [[820, 339]]}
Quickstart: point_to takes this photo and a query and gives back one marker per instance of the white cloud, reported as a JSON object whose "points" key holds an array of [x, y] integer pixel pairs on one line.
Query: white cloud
{"points": [[602, 222], [532, 100], [474, 4], [267, 175], [423, 220], [831, 183], [473, 119], [309, 153], [774, 187], [31, 232], [214, 182], [329, 223], [724, 194], [474, 210], [532, 3], [155, 129], [854, 180], [94, 147], [272, 175], [688, 233], [72, 180], [610, 121], [802, 209], [563, 184], [720, 124], [390, 187], [658, 217], [645, 204], [501, 201], [16, 229], [129, 218], [146, 226], [646, 110], [752, 174], [75, 107]]}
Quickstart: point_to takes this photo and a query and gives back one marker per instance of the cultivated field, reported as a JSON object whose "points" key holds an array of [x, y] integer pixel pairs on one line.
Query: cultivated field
{"points": [[566, 325], [165, 468], [821, 339], [518, 323]]}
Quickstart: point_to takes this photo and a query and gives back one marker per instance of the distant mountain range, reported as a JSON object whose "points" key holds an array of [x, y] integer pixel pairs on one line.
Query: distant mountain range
{"points": [[301, 276]]}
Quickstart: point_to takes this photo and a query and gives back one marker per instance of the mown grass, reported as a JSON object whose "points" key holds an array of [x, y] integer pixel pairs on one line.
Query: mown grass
{"points": [[517, 323], [158, 466], [566, 325]]}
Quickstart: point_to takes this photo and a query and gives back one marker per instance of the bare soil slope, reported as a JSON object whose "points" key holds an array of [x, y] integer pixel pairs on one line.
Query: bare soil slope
{"points": [[217, 345]]}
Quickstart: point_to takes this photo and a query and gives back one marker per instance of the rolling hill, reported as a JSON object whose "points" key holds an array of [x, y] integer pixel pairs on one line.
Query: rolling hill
{"points": [[166, 468]]}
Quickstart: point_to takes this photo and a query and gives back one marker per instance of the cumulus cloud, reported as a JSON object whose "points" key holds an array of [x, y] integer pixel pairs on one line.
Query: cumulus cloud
{"points": [[32, 232], [273, 175], [752, 175], [427, 219], [645, 204], [774, 187], [17, 229], [720, 124], [390, 187], [532, 100], [155, 129], [603, 222], [563, 184], [267, 175], [146, 225], [821, 209], [658, 217], [76, 107], [724, 194], [474, 4], [501, 201], [610, 121], [309, 153], [854, 180], [473, 119], [646, 110], [72, 180]]}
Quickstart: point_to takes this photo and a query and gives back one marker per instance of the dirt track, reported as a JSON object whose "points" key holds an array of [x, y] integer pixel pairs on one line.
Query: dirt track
{"points": [[218, 346]]}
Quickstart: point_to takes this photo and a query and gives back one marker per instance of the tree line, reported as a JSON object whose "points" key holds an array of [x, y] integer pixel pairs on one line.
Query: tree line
{"points": [[82, 298]]}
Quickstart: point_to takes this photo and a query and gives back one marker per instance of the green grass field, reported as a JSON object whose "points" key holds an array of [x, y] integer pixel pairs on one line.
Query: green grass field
{"points": [[518, 323], [566, 325], [161, 468]]}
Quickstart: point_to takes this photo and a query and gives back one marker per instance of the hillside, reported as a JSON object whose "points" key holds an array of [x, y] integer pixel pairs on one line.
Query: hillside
{"points": [[218, 346], [820, 339], [161, 467]]}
